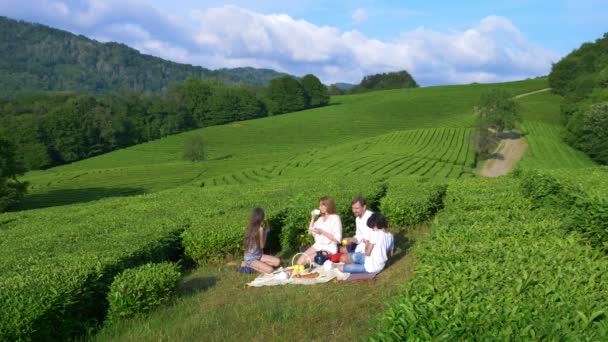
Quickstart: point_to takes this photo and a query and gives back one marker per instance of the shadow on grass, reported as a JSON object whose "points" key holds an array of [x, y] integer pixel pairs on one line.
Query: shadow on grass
{"points": [[509, 135], [70, 196], [405, 238], [497, 156], [196, 285]]}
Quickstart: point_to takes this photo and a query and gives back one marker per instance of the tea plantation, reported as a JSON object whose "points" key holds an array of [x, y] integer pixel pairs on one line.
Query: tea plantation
{"points": [[518, 257]]}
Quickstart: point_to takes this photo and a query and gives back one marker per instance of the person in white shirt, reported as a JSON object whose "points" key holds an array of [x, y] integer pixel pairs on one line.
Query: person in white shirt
{"points": [[327, 230], [374, 258], [359, 208]]}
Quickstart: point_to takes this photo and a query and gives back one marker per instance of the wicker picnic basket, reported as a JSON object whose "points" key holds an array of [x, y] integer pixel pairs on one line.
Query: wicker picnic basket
{"points": [[307, 273]]}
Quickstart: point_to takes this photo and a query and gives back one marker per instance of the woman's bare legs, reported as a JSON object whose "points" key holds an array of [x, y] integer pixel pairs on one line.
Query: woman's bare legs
{"points": [[303, 260], [270, 260]]}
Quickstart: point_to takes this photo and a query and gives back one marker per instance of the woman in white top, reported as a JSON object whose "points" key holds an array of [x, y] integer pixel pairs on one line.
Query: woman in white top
{"points": [[327, 230]]}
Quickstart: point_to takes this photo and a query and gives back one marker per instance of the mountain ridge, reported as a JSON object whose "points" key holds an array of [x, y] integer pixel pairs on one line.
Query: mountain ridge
{"points": [[37, 57]]}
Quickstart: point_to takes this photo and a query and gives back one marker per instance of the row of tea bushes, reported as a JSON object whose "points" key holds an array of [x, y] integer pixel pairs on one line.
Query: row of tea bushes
{"points": [[496, 266], [411, 200], [287, 205], [583, 204], [56, 264]]}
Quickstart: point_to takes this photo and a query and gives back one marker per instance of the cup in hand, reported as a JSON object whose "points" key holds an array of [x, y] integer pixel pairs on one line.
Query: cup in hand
{"points": [[316, 212]]}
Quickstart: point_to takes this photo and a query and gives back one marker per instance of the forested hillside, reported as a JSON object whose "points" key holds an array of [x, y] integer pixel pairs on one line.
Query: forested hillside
{"points": [[35, 57], [384, 81], [582, 78]]}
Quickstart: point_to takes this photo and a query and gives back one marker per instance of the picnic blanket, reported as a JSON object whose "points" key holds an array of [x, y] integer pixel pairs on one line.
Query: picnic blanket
{"points": [[273, 279]]}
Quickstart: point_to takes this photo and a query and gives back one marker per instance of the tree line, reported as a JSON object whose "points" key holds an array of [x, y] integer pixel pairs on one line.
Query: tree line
{"points": [[42, 130], [384, 81], [582, 79]]}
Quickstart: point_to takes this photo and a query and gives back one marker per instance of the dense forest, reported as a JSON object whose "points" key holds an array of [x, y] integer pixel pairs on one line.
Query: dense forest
{"points": [[582, 78], [35, 57], [50, 129], [384, 81]]}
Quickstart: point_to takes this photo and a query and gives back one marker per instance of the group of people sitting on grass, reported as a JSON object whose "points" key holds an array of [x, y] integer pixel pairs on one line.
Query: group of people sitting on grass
{"points": [[367, 251]]}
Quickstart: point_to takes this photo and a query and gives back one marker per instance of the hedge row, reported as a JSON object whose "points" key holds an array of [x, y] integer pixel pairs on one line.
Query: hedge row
{"points": [[497, 267], [584, 209], [287, 206], [411, 200], [138, 290], [56, 264]]}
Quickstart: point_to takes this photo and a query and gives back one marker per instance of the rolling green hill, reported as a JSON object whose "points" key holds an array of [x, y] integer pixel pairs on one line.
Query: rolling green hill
{"points": [[495, 262], [543, 125], [272, 143], [35, 57]]}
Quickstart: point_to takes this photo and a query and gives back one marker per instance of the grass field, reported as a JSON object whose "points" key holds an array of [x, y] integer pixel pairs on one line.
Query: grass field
{"points": [[543, 126], [268, 143], [56, 261]]}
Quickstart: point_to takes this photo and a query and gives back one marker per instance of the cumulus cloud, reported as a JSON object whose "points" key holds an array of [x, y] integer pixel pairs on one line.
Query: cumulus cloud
{"points": [[493, 50], [359, 16]]}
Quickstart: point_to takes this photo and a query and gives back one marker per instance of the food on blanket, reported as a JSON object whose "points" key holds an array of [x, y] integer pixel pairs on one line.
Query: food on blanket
{"points": [[306, 275], [282, 275], [344, 242]]}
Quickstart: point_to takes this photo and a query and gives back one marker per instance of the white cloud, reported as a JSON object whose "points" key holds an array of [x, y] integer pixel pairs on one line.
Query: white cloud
{"points": [[359, 16], [493, 50]]}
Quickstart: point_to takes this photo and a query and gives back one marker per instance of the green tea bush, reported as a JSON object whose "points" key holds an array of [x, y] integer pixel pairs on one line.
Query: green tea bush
{"points": [[581, 212], [411, 200], [137, 290], [497, 267], [590, 218], [544, 189]]}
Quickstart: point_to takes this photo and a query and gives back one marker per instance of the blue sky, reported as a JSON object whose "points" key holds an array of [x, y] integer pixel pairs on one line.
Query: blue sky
{"points": [[439, 42]]}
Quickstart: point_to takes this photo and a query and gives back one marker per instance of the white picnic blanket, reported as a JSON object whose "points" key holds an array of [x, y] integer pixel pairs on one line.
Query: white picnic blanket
{"points": [[324, 276]]}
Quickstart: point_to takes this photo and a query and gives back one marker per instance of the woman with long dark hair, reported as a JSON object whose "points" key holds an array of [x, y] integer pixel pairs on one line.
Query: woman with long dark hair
{"points": [[253, 244]]}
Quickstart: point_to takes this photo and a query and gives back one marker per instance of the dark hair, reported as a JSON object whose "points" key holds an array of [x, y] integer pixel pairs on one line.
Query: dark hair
{"points": [[377, 220], [360, 199], [252, 234], [329, 203]]}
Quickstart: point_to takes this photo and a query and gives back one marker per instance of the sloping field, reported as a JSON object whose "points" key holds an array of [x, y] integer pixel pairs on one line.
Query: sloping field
{"points": [[543, 126], [264, 143], [55, 262]]}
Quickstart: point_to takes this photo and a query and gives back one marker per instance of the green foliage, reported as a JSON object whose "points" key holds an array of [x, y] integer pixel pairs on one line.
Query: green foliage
{"points": [[493, 268], [286, 94], [582, 78], [194, 148], [256, 150], [544, 189], [410, 200], [11, 190], [497, 109], [56, 265], [583, 212], [138, 290], [594, 138], [316, 92], [39, 58], [384, 81], [543, 129], [335, 90]]}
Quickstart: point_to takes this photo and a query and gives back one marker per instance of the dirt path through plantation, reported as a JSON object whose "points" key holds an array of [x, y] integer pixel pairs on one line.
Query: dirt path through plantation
{"points": [[508, 152], [532, 92]]}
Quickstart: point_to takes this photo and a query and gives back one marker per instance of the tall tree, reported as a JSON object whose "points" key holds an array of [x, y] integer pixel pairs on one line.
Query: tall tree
{"points": [[496, 109], [317, 93], [285, 94], [11, 190]]}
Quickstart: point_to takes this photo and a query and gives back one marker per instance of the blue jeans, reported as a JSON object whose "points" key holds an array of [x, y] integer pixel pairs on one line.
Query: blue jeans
{"points": [[357, 265]]}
